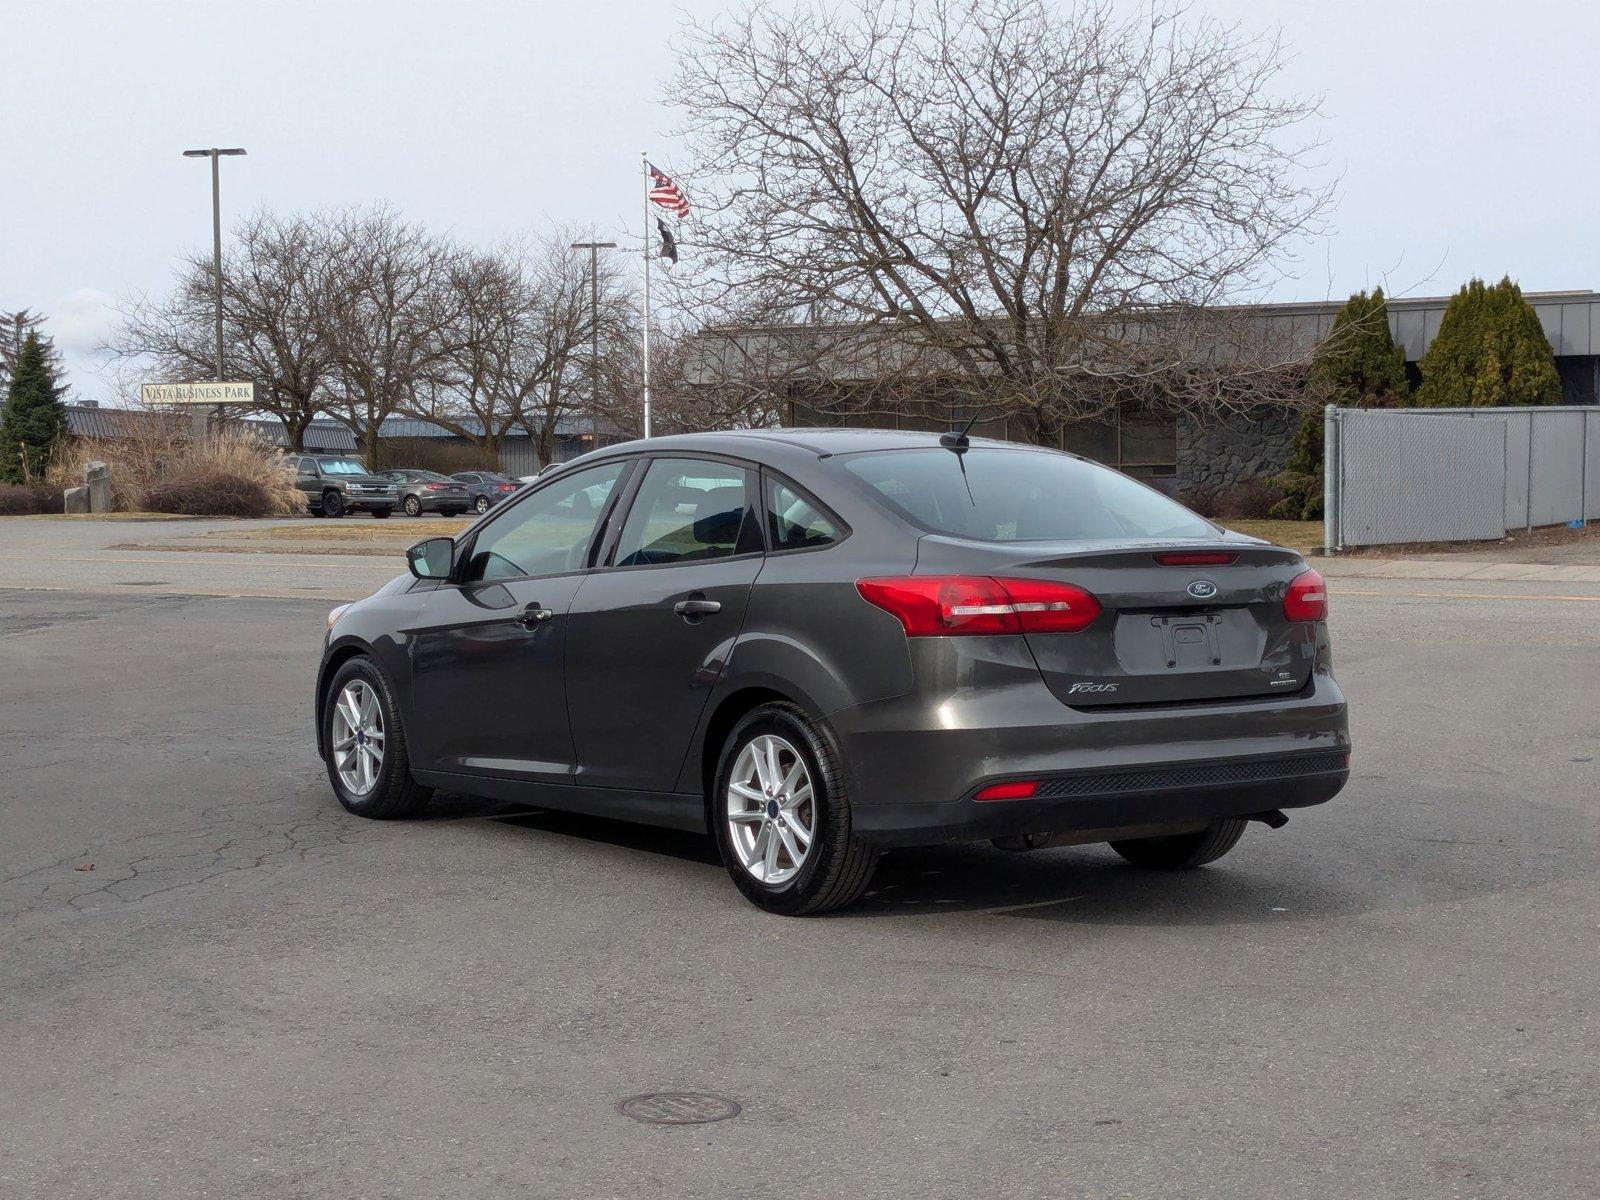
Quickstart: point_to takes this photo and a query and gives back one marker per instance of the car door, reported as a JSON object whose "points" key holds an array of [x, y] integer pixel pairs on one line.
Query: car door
{"points": [[307, 479], [487, 685], [648, 635]]}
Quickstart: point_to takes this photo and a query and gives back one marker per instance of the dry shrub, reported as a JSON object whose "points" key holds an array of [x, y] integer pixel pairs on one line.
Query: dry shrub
{"points": [[160, 465], [1248, 500], [28, 499], [218, 495], [433, 454]]}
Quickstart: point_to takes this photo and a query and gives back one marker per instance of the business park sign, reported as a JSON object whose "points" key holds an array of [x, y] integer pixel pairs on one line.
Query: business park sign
{"points": [[157, 394]]}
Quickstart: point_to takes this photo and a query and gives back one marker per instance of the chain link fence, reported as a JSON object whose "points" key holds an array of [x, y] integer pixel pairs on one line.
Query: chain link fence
{"points": [[1456, 474]]}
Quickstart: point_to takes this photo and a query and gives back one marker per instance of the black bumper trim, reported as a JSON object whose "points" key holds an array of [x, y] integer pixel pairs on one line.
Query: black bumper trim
{"points": [[1187, 775]]}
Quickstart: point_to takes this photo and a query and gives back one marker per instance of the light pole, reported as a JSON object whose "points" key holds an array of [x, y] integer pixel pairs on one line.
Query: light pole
{"points": [[216, 231], [594, 249]]}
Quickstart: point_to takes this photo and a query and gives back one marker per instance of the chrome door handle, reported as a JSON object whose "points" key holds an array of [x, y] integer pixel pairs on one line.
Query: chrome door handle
{"points": [[697, 607], [533, 616]]}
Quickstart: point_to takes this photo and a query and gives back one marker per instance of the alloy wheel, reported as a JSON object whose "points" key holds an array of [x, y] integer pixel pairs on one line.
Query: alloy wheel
{"points": [[482, 505], [413, 506], [358, 737], [771, 810]]}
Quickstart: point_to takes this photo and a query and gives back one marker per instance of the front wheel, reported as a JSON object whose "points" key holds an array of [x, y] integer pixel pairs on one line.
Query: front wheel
{"points": [[333, 504], [364, 745], [782, 818], [481, 504], [1183, 851]]}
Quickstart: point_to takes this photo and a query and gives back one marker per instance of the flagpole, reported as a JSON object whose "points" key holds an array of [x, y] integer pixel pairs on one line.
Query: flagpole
{"points": [[644, 171]]}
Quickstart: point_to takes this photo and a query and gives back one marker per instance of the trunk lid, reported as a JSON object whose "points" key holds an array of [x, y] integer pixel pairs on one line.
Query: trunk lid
{"points": [[1166, 633]]}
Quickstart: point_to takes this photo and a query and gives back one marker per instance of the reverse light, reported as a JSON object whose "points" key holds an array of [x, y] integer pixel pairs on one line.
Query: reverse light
{"points": [[1307, 598], [951, 605], [1017, 789], [335, 614]]}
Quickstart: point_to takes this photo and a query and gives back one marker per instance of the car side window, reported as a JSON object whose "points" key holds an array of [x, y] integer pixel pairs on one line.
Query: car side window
{"points": [[308, 468], [547, 533], [689, 510], [794, 522]]}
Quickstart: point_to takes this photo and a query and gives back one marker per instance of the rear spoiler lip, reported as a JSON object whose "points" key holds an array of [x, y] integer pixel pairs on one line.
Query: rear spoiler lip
{"points": [[1047, 554]]}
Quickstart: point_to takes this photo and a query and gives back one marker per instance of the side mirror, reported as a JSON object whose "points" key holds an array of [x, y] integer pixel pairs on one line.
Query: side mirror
{"points": [[431, 559]]}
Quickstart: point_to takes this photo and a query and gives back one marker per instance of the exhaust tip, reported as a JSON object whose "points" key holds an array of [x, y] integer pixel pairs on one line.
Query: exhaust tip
{"points": [[1272, 819]]}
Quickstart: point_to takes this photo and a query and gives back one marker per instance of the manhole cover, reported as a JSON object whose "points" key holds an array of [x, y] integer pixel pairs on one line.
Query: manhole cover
{"points": [[678, 1108]]}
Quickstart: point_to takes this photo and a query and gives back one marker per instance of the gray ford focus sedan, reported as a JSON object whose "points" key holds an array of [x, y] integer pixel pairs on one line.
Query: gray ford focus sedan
{"points": [[818, 644]]}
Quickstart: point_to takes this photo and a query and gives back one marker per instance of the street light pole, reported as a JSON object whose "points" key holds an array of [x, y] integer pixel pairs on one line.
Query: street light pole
{"points": [[216, 232], [594, 249]]}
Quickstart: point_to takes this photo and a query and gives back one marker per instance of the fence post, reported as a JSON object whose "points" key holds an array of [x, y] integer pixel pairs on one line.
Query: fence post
{"points": [[1331, 472]]}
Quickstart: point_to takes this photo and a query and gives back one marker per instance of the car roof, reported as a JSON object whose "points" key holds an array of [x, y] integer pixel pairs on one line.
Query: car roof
{"points": [[822, 442]]}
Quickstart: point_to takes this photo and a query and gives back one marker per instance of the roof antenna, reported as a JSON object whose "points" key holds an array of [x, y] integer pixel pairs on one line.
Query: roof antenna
{"points": [[956, 440]]}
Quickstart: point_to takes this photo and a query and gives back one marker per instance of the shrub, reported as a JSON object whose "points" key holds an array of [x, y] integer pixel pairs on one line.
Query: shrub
{"points": [[216, 495], [1247, 500], [28, 499], [1490, 351], [149, 465], [432, 454]]}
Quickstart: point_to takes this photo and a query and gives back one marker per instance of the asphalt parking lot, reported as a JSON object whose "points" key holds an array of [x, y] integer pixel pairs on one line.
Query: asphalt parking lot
{"points": [[215, 982]]}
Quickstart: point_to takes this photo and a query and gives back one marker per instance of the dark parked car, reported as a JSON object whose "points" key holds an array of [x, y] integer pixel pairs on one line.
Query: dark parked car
{"points": [[816, 644], [335, 485], [428, 491], [488, 488]]}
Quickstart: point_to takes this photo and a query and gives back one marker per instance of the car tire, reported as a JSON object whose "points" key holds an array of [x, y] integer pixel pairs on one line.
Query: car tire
{"points": [[481, 505], [1184, 851], [382, 514], [392, 791], [413, 506], [836, 866], [451, 512], [333, 504]]}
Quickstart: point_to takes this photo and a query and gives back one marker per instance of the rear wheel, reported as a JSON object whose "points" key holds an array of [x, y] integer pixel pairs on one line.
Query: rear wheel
{"points": [[382, 514], [481, 504], [1182, 851], [413, 506], [333, 504], [782, 818], [364, 744]]}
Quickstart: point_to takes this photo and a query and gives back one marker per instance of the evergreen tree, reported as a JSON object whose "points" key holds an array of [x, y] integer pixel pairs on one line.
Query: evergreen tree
{"points": [[1490, 352], [1358, 366], [14, 330], [33, 419]]}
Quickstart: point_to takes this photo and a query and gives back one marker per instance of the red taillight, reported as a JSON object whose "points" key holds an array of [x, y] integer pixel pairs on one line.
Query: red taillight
{"points": [[1307, 598], [507, 487], [1019, 789], [436, 487], [1197, 558], [946, 605]]}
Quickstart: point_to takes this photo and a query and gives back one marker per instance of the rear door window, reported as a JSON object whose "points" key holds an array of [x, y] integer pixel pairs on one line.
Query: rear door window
{"points": [[995, 494], [688, 510]]}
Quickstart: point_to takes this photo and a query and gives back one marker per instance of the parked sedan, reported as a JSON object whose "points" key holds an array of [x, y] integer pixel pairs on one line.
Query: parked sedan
{"points": [[428, 491], [487, 488], [818, 644]]}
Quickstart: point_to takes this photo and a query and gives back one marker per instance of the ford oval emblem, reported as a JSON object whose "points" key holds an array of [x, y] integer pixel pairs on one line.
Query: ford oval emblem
{"points": [[1202, 589]]}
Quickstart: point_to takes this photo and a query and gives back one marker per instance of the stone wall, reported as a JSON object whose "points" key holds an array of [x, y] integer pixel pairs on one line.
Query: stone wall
{"points": [[1222, 451]]}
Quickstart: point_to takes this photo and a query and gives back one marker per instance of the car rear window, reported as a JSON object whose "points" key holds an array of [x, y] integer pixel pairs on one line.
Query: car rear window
{"points": [[998, 495]]}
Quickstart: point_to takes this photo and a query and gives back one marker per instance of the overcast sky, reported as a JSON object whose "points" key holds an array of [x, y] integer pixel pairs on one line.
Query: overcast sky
{"points": [[1462, 131]]}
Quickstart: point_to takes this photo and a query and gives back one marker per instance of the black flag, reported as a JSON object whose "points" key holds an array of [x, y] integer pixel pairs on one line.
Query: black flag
{"points": [[669, 244]]}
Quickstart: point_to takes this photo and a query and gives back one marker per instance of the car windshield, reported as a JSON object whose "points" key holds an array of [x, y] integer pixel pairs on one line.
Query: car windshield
{"points": [[1001, 495], [341, 466]]}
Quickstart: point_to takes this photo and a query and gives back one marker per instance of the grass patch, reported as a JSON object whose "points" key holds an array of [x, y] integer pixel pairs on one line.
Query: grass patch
{"points": [[1303, 536], [350, 531]]}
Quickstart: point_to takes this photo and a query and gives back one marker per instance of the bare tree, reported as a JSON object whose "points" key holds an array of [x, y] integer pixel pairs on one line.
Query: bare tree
{"points": [[272, 331], [520, 334], [387, 314], [1035, 209]]}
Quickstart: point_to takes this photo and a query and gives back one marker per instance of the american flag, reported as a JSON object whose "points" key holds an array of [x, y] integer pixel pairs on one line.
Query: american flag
{"points": [[667, 194]]}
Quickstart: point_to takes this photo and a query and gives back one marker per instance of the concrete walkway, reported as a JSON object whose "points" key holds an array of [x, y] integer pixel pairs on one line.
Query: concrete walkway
{"points": [[1459, 567]]}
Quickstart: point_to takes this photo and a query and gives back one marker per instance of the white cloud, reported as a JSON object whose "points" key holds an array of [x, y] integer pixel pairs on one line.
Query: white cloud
{"points": [[82, 321]]}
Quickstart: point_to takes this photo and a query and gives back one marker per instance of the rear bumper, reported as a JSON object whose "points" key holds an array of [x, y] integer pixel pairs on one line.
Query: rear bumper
{"points": [[1169, 796]]}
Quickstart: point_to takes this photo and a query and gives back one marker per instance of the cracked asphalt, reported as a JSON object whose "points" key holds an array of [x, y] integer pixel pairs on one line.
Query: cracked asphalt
{"points": [[214, 982]]}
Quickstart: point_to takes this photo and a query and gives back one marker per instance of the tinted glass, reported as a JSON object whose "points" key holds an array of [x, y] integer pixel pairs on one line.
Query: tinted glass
{"points": [[686, 511], [427, 477], [1000, 495], [793, 522], [342, 466], [547, 533]]}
